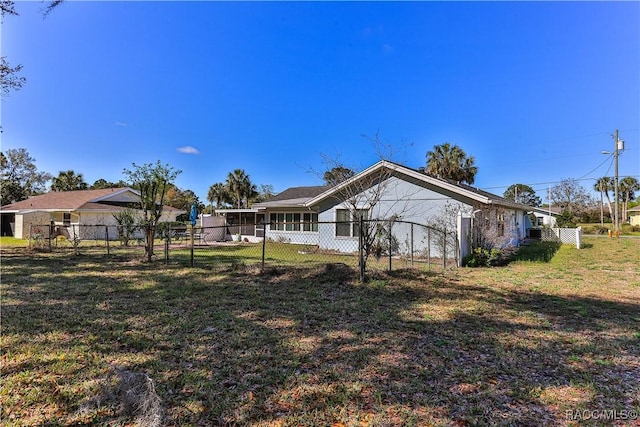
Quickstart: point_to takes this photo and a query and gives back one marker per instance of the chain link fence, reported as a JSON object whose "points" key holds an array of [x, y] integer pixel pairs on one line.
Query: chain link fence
{"points": [[365, 245]]}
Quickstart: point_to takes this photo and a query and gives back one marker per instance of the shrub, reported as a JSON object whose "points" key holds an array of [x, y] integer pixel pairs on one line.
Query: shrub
{"points": [[481, 257], [595, 229], [565, 220]]}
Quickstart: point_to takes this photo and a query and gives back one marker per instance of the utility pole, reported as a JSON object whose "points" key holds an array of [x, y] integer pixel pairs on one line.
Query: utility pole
{"points": [[616, 141]]}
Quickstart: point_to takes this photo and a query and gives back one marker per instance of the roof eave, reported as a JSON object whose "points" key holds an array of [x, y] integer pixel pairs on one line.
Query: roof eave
{"points": [[406, 171]]}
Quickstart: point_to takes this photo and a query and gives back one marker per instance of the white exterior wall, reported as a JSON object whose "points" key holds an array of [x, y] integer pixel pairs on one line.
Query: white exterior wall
{"points": [[413, 203], [18, 231], [547, 220], [295, 237], [408, 202], [31, 220]]}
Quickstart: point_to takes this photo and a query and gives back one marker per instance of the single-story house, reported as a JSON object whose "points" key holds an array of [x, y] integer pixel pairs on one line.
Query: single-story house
{"points": [[313, 215], [72, 211], [634, 215], [546, 217]]}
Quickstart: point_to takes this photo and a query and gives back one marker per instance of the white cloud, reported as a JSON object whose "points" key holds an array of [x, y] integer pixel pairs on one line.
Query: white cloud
{"points": [[188, 150], [387, 48], [121, 124]]}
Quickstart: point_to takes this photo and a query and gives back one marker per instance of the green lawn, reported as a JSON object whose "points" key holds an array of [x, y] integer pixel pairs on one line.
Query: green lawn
{"points": [[558, 330], [12, 242]]}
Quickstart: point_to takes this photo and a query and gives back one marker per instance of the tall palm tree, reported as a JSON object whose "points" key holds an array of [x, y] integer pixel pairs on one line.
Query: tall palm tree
{"points": [[218, 194], [68, 181], [451, 162], [627, 188], [237, 185], [604, 185], [468, 171], [250, 192]]}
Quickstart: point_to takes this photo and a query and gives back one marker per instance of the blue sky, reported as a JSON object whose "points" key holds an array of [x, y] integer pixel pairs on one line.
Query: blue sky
{"points": [[533, 90]]}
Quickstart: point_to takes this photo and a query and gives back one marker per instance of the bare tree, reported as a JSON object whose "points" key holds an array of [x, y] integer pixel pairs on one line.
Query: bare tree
{"points": [[571, 196], [152, 181], [9, 78], [362, 195]]}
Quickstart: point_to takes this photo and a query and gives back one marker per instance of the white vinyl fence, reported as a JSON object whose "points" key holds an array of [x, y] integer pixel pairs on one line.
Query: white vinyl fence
{"points": [[572, 236]]}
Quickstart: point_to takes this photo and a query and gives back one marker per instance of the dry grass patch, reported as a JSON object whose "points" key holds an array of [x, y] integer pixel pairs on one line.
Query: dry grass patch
{"points": [[515, 345]]}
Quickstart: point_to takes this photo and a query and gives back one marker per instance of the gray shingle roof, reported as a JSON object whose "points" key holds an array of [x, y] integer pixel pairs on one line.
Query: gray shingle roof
{"points": [[294, 196]]}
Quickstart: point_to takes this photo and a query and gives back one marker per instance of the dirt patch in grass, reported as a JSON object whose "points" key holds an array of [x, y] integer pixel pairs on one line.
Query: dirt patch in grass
{"points": [[518, 345]]}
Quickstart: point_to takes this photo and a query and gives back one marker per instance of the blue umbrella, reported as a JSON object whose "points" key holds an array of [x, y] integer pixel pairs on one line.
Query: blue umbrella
{"points": [[194, 214]]}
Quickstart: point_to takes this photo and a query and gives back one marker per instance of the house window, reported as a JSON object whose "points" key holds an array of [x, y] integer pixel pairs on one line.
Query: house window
{"points": [[310, 222], [500, 222], [293, 221], [66, 219], [347, 222]]}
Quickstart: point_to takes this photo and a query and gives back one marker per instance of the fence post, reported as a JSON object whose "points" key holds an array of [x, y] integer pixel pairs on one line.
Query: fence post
{"points": [[50, 234], [411, 245], [106, 236], [361, 249], [264, 242], [444, 250], [192, 245], [429, 248], [390, 243], [30, 234], [166, 247], [578, 237]]}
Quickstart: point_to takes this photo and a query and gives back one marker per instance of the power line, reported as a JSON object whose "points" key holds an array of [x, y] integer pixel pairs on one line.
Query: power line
{"points": [[552, 182]]}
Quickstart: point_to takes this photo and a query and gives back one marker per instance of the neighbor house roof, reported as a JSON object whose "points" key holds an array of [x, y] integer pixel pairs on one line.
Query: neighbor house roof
{"points": [[455, 190], [554, 211], [292, 197], [85, 200]]}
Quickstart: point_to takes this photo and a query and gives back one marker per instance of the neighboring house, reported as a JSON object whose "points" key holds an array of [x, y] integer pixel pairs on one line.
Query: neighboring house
{"points": [[69, 211], [319, 215], [546, 217], [634, 216]]}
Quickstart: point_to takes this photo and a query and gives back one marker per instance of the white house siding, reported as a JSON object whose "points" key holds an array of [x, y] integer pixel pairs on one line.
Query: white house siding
{"points": [[406, 201], [295, 237], [409, 202], [31, 222], [96, 225]]}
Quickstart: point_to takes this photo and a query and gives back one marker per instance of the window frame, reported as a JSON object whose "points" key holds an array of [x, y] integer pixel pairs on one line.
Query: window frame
{"points": [[348, 222], [294, 222]]}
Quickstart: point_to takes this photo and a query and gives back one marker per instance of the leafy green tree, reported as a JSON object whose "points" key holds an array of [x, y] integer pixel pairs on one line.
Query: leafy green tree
{"points": [[265, 192], [152, 181], [182, 199], [449, 161], [19, 176], [68, 181], [126, 221], [101, 183], [523, 194], [566, 219], [337, 174]]}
